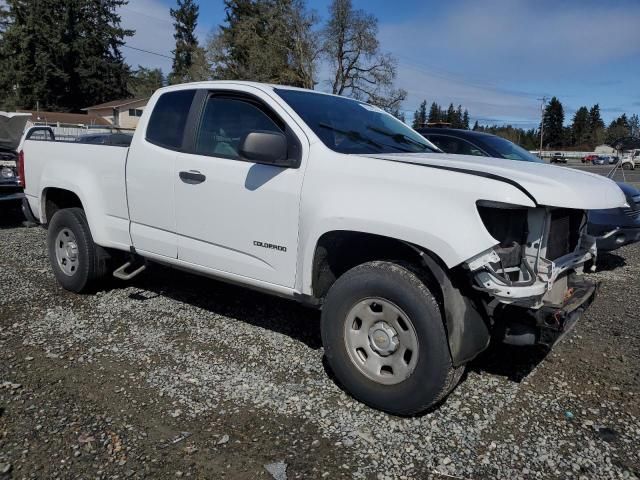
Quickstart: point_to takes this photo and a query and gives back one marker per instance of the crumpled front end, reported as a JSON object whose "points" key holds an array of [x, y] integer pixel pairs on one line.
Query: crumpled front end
{"points": [[538, 249]]}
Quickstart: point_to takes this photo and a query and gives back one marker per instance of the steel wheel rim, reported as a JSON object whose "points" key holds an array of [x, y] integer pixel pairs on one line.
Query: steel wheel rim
{"points": [[381, 341], [67, 254]]}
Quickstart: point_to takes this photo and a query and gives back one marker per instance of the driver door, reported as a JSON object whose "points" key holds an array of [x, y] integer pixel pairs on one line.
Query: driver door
{"points": [[234, 215]]}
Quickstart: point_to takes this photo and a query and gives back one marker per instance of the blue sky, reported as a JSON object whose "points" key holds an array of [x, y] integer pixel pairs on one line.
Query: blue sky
{"points": [[495, 57]]}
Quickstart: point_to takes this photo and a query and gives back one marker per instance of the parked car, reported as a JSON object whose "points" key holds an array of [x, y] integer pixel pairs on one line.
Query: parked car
{"points": [[558, 157], [613, 227], [12, 134], [12, 127], [617, 226], [600, 160], [414, 256], [629, 161], [468, 142], [589, 158], [115, 139], [613, 159]]}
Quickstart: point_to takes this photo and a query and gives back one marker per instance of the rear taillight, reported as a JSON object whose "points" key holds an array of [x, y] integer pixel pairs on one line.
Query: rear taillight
{"points": [[21, 179]]}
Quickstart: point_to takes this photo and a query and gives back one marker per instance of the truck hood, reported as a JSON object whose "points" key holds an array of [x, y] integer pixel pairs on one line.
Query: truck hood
{"points": [[11, 129], [548, 185]]}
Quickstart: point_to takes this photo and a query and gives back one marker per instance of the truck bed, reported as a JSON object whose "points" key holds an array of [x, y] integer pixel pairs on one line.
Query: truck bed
{"points": [[65, 165]]}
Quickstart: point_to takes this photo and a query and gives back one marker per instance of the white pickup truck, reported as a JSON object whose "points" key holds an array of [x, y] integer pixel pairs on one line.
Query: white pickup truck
{"points": [[416, 258]]}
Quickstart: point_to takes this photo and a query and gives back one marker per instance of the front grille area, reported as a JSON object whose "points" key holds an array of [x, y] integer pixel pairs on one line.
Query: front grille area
{"points": [[564, 232]]}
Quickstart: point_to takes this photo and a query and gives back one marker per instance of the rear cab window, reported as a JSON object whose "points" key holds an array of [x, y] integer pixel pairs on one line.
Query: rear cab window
{"points": [[168, 119]]}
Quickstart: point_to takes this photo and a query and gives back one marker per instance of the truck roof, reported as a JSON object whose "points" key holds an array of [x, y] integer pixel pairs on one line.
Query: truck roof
{"points": [[258, 85]]}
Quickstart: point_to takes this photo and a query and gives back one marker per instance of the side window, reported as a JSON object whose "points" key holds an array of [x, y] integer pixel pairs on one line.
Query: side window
{"points": [[456, 146], [225, 122], [168, 119]]}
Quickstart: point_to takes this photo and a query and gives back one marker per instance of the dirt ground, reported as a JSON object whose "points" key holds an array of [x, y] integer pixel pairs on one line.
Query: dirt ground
{"points": [[175, 376]]}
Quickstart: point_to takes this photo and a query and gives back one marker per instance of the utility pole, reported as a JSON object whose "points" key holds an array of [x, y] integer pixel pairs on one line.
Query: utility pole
{"points": [[543, 101]]}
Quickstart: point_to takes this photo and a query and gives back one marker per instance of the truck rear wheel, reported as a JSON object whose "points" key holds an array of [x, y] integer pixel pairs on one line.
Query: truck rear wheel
{"points": [[77, 262], [385, 340]]}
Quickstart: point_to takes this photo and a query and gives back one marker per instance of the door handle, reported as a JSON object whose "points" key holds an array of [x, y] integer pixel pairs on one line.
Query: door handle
{"points": [[192, 177]]}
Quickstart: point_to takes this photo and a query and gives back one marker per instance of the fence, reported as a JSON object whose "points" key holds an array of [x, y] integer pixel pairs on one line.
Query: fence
{"points": [[69, 133]]}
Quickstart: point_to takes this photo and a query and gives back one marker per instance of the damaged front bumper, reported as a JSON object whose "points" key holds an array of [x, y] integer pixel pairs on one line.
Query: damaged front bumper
{"points": [[537, 280], [550, 323]]}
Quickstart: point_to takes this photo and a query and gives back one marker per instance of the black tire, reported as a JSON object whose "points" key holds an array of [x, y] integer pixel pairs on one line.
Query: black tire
{"points": [[91, 259], [627, 166], [433, 376]]}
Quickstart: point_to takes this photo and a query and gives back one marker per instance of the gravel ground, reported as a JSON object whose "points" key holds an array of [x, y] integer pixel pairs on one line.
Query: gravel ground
{"points": [[174, 376]]}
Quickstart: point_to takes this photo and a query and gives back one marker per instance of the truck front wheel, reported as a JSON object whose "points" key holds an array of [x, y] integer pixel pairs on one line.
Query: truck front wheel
{"points": [[77, 262], [385, 340]]}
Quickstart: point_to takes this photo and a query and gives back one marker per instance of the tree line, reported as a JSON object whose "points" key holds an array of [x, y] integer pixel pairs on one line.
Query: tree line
{"points": [[586, 130], [64, 55], [67, 54], [455, 117]]}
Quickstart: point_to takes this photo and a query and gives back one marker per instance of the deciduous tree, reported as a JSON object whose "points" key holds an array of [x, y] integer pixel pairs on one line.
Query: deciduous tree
{"points": [[144, 81], [359, 68]]}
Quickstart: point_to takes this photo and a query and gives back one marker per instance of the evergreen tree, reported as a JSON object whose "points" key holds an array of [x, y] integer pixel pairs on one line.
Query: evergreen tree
{"points": [[451, 114], [580, 127], [62, 55], [465, 119], [458, 118], [189, 60], [476, 127], [420, 115], [553, 121], [434, 113], [267, 41], [95, 65], [634, 125], [618, 128], [596, 126]]}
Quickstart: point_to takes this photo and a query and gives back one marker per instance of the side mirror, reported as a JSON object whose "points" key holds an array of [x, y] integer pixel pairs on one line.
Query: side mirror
{"points": [[265, 147]]}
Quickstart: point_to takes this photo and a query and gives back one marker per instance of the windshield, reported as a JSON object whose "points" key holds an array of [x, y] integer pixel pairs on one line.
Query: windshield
{"points": [[510, 150], [350, 126]]}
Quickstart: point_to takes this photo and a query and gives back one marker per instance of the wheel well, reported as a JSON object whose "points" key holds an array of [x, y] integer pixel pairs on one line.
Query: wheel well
{"points": [[56, 199], [339, 251]]}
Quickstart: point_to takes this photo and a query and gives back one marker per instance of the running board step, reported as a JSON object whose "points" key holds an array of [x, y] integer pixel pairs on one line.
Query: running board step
{"points": [[122, 274]]}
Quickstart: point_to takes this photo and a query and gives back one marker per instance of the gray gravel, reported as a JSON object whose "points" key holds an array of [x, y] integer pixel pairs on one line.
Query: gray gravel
{"points": [[193, 349]]}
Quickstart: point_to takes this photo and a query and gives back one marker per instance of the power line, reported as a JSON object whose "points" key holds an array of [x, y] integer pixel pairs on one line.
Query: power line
{"points": [[200, 30], [148, 51]]}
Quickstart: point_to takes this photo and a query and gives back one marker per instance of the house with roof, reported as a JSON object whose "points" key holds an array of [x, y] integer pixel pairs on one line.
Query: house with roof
{"points": [[119, 113], [61, 119]]}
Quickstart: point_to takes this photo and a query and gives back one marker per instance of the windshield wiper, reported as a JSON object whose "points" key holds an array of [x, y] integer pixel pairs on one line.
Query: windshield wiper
{"points": [[400, 138], [352, 135]]}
